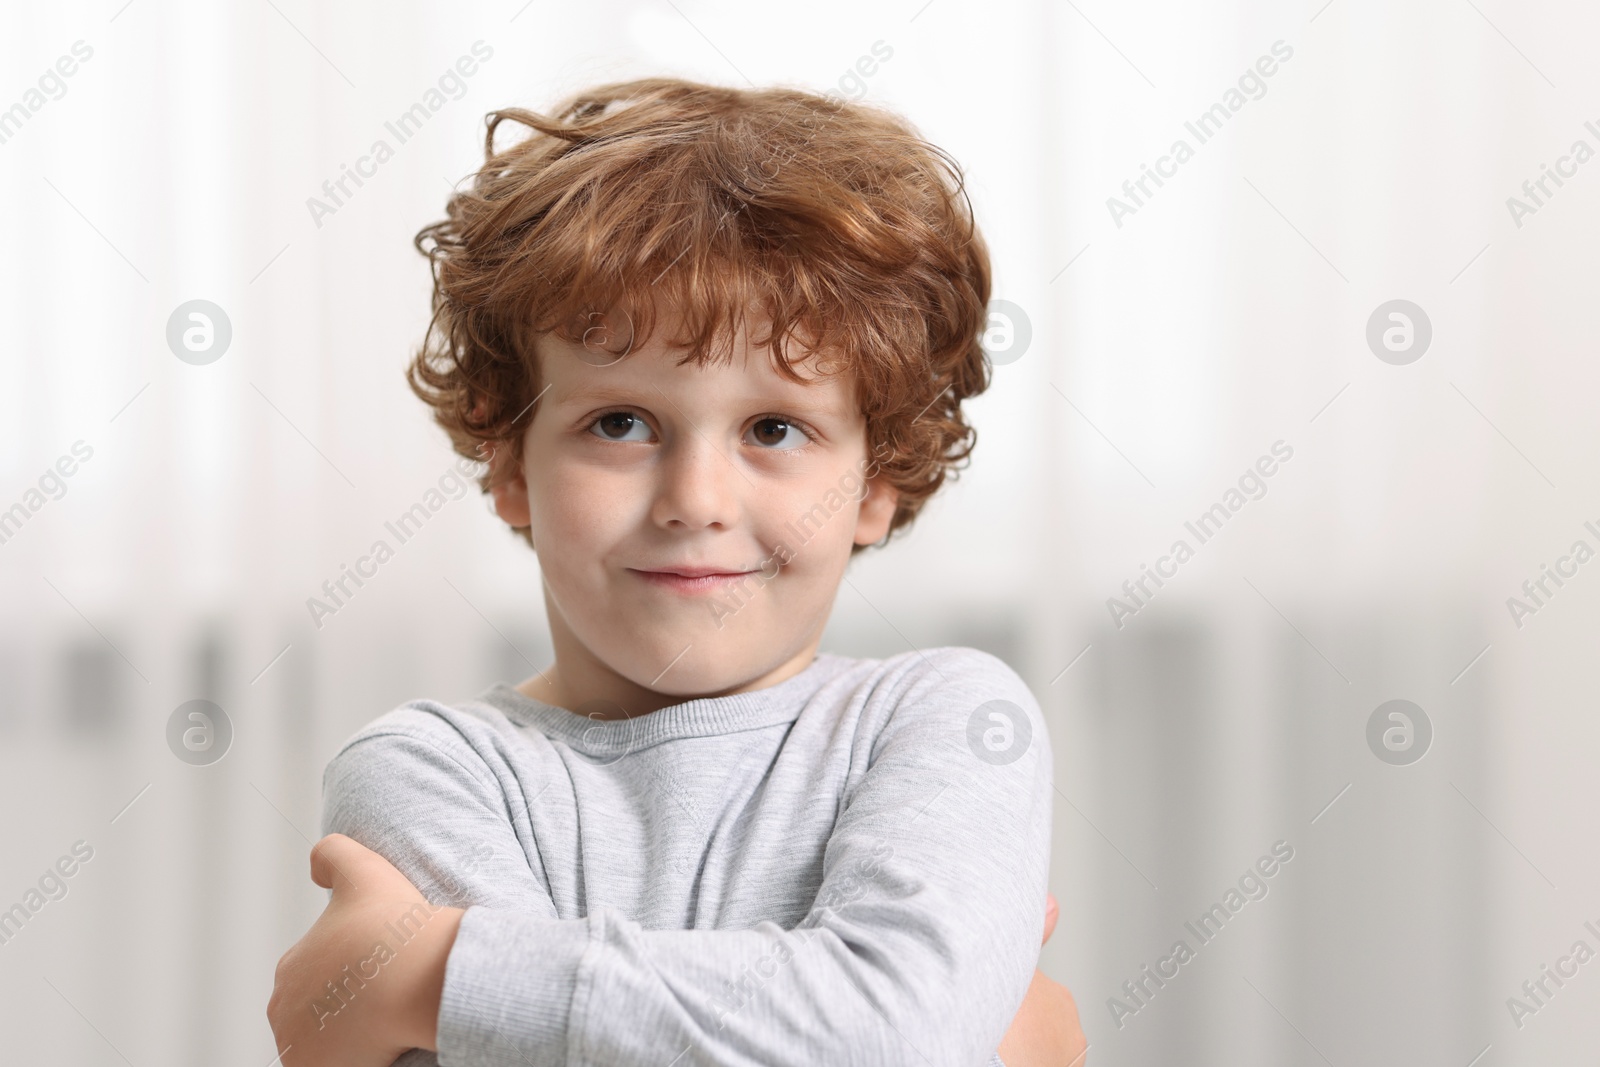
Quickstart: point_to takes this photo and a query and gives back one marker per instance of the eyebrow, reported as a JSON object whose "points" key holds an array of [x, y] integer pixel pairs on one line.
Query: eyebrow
{"points": [[621, 394]]}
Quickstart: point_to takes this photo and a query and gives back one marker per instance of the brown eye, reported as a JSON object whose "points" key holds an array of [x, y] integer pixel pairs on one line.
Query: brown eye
{"points": [[618, 425], [777, 434]]}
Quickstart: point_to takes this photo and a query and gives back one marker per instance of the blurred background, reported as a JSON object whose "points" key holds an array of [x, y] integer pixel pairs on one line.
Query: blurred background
{"points": [[1351, 260]]}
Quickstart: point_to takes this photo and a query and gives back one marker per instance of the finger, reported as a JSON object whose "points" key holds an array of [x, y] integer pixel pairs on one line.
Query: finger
{"points": [[1052, 911]]}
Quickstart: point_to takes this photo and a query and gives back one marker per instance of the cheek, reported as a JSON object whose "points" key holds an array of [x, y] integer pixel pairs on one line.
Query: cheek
{"points": [[819, 541], [578, 509]]}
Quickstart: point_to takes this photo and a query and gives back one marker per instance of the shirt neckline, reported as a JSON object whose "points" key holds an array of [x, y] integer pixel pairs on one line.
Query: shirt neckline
{"points": [[699, 717]]}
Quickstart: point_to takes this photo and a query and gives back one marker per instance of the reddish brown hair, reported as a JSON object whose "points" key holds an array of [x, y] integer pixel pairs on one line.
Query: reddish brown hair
{"points": [[822, 224]]}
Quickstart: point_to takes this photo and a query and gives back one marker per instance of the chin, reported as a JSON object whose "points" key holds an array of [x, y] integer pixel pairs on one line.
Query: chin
{"points": [[704, 670], [707, 667]]}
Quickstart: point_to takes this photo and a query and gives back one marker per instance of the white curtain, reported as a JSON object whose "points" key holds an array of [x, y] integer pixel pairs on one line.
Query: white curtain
{"points": [[159, 152]]}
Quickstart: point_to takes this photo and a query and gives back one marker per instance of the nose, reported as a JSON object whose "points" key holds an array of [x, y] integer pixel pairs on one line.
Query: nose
{"points": [[697, 486]]}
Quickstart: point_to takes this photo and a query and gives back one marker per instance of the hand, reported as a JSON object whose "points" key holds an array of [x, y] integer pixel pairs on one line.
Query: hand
{"points": [[363, 985], [1045, 1032]]}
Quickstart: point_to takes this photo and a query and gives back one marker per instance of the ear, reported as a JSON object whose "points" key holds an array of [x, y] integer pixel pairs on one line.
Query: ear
{"points": [[876, 511], [509, 486]]}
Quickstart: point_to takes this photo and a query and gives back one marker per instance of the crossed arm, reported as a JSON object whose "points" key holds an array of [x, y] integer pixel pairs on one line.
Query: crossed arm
{"points": [[932, 882], [396, 1005]]}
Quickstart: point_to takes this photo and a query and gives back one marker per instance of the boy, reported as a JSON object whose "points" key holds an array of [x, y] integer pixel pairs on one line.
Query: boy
{"points": [[711, 343]]}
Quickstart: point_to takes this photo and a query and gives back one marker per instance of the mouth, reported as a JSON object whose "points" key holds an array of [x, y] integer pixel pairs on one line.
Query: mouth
{"points": [[692, 579]]}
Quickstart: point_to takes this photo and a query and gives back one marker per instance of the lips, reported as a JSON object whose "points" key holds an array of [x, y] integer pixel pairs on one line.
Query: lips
{"points": [[683, 579]]}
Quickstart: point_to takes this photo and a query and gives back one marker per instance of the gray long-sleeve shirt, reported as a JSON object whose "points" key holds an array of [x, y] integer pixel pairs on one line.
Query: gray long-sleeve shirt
{"points": [[848, 867]]}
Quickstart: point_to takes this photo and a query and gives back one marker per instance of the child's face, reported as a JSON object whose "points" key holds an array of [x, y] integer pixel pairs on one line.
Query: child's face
{"points": [[638, 466]]}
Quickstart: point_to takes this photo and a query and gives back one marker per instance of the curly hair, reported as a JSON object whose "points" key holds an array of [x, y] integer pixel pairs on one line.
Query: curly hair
{"points": [[802, 217]]}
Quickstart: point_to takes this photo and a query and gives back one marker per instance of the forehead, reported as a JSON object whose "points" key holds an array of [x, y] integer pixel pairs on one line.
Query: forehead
{"points": [[574, 370]]}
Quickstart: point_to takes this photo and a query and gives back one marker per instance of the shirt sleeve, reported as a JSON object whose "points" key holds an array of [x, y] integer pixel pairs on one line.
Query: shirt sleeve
{"points": [[414, 791], [917, 951]]}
